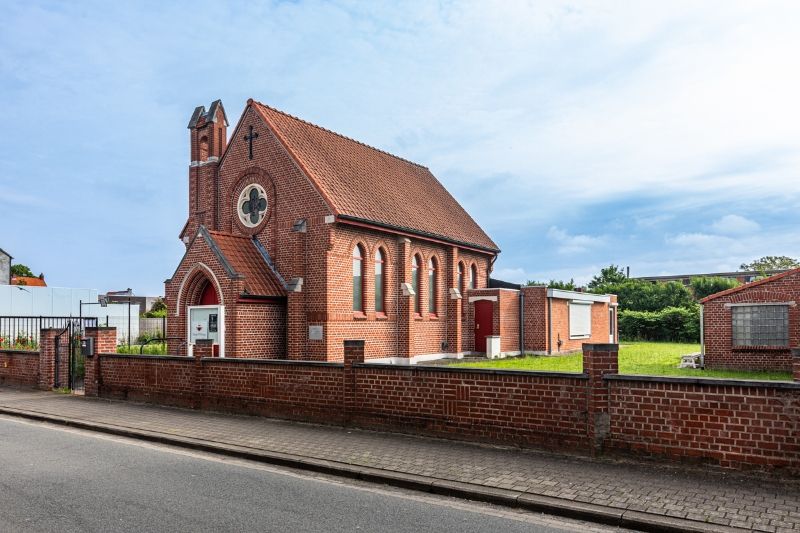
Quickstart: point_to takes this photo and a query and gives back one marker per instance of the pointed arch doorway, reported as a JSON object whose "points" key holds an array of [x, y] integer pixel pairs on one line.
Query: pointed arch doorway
{"points": [[206, 319]]}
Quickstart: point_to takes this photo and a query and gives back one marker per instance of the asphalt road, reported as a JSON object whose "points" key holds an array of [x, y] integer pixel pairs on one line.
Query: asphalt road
{"points": [[59, 479]]}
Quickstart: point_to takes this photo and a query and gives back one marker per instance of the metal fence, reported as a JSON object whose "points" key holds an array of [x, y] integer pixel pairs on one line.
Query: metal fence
{"points": [[135, 330], [22, 332]]}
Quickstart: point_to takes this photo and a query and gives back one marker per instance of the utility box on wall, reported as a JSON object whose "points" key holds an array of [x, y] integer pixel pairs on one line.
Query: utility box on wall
{"points": [[493, 347], [87, 346]]}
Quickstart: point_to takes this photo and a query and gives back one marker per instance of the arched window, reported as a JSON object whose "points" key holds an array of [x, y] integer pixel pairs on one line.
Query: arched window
{"points": [[473, 277], [460, 281], [203, 148], [415, 282], [432, 286], [380, 259], [358, 280]]}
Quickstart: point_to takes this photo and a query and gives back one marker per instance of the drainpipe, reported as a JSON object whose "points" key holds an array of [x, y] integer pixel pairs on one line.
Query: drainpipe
{"points": [[549, 325], [702, 340], [521, 322]]}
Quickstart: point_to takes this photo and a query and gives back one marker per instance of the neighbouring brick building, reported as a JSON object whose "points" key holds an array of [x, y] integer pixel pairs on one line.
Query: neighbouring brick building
{"points": [[753, 326], [299, 238]]}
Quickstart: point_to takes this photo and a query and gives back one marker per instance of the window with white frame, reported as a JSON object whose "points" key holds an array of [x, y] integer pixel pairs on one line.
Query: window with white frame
{"points": [[580, 320], [760, 325]]}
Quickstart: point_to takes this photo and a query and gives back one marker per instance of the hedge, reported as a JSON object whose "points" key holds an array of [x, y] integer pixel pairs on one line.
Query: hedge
{"points": [[676, 324]]}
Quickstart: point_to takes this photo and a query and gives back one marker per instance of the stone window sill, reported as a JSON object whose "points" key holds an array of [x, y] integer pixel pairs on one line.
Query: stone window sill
{"points": [[359, 316]]}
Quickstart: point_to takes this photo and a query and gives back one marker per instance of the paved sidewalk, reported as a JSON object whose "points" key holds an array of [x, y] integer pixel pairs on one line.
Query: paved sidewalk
{"points": [[645, 496]]}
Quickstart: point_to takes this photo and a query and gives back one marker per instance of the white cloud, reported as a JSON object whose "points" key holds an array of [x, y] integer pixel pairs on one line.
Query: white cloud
{"points": [[697, 240], [569, 244], [735, 225]]}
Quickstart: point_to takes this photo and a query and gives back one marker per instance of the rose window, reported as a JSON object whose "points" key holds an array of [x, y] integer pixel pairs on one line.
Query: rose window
{"points": [[252, 205]]}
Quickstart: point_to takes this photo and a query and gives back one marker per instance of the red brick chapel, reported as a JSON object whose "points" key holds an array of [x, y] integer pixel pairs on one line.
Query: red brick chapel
{"points": [[299, 238]]}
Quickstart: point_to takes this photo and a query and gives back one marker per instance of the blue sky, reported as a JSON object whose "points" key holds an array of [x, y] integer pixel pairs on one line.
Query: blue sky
{"points": [[664, 136]]}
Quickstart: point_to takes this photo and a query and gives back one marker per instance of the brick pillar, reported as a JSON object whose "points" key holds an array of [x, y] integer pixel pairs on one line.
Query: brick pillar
{"points": [[202, 348], [405, 302], [599, 360], [105, 341], [796, 364], [453, 304], [353, 355], [47, 358]]}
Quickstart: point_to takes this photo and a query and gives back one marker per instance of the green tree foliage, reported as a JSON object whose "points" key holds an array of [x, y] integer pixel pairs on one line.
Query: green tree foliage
{"points": [[21, 270], [556, 284], [610, 275], [707, 285], [674, 324], [640, 295], [158, 310], [770, 262]]}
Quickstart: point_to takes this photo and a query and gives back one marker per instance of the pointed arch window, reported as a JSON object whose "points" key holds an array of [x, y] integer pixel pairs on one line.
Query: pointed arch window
{"points": [[415, 283], [358, 280], [460, 281], [432, 286], [473, 277], [203, 148], [380, 261]]}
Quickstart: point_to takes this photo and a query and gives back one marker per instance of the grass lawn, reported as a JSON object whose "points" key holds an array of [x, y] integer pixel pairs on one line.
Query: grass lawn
{"points": [[643, 358], [149, 349]]}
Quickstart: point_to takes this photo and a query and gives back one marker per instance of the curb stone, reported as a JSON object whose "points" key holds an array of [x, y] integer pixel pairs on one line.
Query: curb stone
{"points": [[509, 498]]}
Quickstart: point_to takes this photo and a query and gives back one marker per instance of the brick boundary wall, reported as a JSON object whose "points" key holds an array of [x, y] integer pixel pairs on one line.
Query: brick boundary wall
{"points": [[19, 367], [730, 423]]}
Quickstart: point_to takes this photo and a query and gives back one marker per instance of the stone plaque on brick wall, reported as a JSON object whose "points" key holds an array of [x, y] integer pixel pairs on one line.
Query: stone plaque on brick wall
{"points": [[315, 333]]}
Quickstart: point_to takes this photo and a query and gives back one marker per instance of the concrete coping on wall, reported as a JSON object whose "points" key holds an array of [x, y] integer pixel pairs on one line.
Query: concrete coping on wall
{"points": [[600, 347], [718, 382], [283, 362], [100, 328], [146, 357], [21, 352], [463, 370]]}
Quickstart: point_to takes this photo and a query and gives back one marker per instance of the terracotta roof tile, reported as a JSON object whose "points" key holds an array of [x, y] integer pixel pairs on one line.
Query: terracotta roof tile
{"points": [[245, 259], [28, 281], [373, 185]]}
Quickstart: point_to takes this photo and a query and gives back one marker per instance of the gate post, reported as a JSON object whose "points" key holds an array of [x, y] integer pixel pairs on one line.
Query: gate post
{"points": [[599, 360], [353, 355], [47, 358], [105, 341]]}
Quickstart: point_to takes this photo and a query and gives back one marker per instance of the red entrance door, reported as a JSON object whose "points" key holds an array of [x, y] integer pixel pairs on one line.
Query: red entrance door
{"points": [[484, 321]]}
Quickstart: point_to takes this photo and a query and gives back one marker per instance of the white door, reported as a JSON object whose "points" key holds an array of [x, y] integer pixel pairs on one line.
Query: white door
{"points": [[207, 322]]}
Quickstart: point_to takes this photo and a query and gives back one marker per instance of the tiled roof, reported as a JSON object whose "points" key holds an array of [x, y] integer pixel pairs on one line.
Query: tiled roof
{"points": [[28, 281], [750, 285], [374, 186], [244, 259]]}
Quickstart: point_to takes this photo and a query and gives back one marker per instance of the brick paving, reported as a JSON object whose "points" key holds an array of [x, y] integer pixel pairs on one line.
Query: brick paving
{"points": [[759, 503]]}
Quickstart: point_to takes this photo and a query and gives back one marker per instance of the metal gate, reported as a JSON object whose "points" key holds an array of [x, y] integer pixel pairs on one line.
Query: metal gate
{"points": [[70, 363]]}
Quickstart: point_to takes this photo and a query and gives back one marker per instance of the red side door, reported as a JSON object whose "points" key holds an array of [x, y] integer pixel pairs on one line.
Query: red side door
{"points": [[484, 321]]}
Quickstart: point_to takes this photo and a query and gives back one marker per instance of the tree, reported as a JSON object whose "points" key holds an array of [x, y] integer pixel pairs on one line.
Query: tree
{"points": [[610, 275], [640, 295], [556, 284], [158, 310], [21, 270], [770, 262], [707, 285]]}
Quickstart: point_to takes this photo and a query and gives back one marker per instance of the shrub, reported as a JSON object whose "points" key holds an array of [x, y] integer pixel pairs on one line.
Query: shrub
{"points": [[707, 285], [676, 324]]}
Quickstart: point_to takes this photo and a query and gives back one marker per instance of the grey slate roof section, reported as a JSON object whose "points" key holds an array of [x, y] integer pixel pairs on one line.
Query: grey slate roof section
{"points": [[199, 111], [265, 254], [211, 115]]}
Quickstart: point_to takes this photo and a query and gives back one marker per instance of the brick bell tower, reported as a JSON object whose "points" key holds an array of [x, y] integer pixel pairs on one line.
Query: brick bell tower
{"points": [[208, 136]]}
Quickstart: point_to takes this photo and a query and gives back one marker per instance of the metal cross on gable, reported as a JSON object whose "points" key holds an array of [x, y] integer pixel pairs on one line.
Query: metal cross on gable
{"points": [[250, 137]]}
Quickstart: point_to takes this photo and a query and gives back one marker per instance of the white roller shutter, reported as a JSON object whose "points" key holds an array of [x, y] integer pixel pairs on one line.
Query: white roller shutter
{"points": [[580, 320]]}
